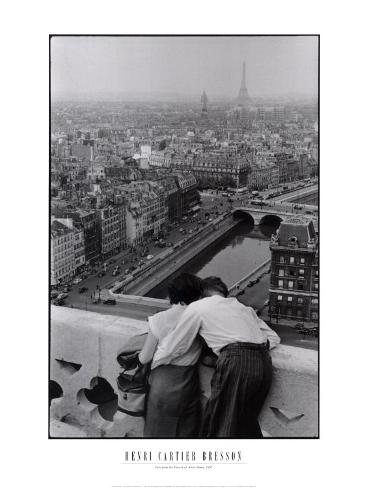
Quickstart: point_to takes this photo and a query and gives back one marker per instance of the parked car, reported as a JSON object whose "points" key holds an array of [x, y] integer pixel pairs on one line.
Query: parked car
{"points": [[59, 302], [257, 202], [77, 280], [149, 257], [110, 301], [62, 296], [54, 294], [83, 289], [299, 326], [100, 274], [303, 331], [115, 272], [298, 207]]}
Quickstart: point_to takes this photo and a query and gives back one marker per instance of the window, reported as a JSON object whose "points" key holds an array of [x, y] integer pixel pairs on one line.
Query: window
{"points": [[281, 272], [314, 315], [301, 272], [300, 286], [290, 285], [299, 300], [291, 260], [316, 286], [280, 298], [317, 273], [302, 260], [290, 299], [281, 259], [315, 301], [280, 283]]}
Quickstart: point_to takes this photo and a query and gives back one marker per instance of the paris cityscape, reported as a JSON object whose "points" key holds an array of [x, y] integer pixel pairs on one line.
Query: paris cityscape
{"points": [[145, 188]]}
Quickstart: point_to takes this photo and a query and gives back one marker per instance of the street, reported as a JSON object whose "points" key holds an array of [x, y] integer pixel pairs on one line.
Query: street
{"points": [[210, 209]]}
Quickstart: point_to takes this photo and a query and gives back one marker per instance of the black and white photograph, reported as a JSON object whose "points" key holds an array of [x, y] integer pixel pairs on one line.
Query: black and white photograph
{"points": [[184, 236], [183, 244]]}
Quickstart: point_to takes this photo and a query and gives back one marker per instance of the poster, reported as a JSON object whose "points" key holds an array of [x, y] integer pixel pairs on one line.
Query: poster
{"points": [[102, 462]]}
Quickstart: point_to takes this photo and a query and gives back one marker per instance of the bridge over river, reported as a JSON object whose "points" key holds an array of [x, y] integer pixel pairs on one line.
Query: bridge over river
{"points": [[273, 212]]}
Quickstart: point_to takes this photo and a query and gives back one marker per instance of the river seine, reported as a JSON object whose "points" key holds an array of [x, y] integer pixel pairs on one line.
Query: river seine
{"points": [[235, 255]]}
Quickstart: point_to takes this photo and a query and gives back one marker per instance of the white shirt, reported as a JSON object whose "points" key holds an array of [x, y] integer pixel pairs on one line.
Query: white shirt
{"points": [[161, 325], [220, 321]]}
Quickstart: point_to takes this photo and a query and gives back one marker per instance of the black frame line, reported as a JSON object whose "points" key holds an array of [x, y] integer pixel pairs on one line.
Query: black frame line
{"points": [[49, 228]]}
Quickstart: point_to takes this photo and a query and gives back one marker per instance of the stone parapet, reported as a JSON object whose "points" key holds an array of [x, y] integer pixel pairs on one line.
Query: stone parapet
{"points": [[84, 346]]}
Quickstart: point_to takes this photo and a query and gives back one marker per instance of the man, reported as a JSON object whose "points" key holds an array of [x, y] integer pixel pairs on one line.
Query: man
{"points": [[243, 373]]}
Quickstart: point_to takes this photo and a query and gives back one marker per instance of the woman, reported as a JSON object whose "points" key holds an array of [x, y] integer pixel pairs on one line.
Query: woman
{"points": [[173, 399]]}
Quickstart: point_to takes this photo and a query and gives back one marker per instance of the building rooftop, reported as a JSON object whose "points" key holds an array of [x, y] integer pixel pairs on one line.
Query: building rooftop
{"points": [[296, 232], [59, 229]]}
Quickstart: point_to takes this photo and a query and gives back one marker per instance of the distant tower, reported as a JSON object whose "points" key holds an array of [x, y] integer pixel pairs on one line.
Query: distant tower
{"points": [[243, 97], [204, 103]]}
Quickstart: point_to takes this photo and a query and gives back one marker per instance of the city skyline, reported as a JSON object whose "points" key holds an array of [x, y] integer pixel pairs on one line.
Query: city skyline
{"points": [[180, 68]]}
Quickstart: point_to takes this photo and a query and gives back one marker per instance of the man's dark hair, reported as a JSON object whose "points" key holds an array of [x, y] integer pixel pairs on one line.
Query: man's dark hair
{"points": [[185, 288], [213, 283]]}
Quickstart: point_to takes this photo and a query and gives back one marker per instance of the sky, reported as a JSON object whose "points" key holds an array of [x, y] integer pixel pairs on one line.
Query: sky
{"points": [[275, 66]]}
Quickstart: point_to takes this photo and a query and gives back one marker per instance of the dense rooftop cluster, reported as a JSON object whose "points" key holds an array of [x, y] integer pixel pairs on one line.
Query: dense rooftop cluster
{"points": [[123, 172]]}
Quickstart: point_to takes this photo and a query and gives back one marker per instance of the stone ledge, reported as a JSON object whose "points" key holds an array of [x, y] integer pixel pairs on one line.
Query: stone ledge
{"points": [[84, 346]]}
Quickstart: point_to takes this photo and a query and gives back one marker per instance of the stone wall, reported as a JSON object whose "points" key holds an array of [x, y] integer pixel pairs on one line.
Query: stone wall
{"points": [[84, 346]]}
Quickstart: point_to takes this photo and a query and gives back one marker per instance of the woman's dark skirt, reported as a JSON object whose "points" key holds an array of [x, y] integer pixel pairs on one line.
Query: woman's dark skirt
{"points": [[173, 402]]}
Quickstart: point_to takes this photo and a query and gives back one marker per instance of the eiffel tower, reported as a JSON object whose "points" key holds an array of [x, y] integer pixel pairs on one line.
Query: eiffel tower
{"points": [[204, 103], [243, 96]]}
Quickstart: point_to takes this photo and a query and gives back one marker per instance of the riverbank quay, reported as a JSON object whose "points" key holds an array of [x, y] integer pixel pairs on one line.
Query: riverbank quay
{"points": [[254, 276], [301, 196], [141, 282]]}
